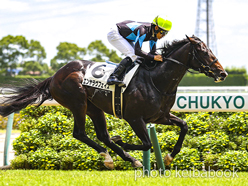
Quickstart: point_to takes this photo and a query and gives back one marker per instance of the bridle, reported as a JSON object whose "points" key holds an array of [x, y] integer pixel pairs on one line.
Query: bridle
{"points": [[204, 68], [193, 55]]}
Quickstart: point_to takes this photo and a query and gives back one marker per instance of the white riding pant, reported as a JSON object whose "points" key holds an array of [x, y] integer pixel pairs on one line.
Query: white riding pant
{"points": [[119, 42]]}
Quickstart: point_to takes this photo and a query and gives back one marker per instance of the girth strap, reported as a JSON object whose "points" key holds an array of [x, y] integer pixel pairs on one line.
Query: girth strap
{"points": [[117, 102]]}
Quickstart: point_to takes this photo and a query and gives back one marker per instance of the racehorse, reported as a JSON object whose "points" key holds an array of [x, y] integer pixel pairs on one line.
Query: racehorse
{"points": [[148, 98]]}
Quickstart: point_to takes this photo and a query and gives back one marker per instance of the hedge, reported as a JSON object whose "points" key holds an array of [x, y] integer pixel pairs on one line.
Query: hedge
{"points": [[202, 80], [188, 80], [16, 122], [214, 139]]}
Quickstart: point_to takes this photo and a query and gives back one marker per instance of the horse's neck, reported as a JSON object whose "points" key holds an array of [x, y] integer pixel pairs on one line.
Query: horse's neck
{"points": [[168, 75]]}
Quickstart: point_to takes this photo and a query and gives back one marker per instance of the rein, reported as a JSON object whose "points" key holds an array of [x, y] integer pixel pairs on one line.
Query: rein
{"points": [[206, 69], [176, 61], [179, 63]]}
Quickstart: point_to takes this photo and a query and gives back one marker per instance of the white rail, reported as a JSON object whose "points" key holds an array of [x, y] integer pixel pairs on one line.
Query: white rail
{"points": [[198, 89], [194, 102]]}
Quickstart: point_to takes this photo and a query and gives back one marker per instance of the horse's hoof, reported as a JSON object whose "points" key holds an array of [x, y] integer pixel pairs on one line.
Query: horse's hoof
{"points": [[137, 164], [116, 138], [168, 159], [109, 165], [108, 160]]}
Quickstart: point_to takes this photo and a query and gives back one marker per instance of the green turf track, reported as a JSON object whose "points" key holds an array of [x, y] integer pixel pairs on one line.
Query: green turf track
{"points": [[111, 178]]}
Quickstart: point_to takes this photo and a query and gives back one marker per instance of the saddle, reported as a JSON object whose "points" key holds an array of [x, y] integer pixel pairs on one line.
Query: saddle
{"points": [[96, 75]]}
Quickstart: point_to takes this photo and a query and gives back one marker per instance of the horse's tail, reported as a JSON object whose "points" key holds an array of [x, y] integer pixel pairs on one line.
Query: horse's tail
{"points": [[33, 92]]}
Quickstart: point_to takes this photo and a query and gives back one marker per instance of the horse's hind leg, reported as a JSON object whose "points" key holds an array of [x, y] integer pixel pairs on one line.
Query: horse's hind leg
{"points": [[79, 133], [79, 130], [98, 118], [71, 94]]}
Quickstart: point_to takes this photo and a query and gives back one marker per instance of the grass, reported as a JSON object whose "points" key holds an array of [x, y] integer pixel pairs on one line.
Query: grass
{"points": [[109, 178]]}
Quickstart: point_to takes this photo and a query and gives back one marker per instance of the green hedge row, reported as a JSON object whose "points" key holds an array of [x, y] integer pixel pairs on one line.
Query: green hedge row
{"points": [[202, 80], [218, 140], [4, 120], [188, 80]]}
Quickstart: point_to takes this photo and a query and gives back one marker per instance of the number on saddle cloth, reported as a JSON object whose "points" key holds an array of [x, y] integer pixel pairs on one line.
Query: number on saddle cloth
{"points": [[97, 75]]}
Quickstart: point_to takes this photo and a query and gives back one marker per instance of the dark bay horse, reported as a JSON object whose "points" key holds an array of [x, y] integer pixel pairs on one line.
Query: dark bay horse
{"points": [[148, 98]]}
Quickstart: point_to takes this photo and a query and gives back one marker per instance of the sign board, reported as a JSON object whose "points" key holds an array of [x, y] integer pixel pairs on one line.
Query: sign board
{"points": [[206, 102]]}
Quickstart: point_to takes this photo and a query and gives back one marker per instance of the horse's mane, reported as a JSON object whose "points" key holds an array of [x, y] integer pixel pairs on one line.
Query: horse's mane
{"points": [[170, 47], [167, 49]]}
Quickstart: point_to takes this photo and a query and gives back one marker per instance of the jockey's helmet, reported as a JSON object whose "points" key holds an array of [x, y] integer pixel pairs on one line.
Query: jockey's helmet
{"points": [[163, 24]]}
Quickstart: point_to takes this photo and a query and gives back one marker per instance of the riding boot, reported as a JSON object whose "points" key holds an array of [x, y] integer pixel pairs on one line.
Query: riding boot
{"points": [[114, 78]]}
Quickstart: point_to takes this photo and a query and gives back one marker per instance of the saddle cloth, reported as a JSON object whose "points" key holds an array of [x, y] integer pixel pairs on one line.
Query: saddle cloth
{"points": [[97, 75]]}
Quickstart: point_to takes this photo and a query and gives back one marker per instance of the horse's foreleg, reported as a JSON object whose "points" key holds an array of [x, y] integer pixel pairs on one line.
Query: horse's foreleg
{"points": [[98, 118], [184, 128]]}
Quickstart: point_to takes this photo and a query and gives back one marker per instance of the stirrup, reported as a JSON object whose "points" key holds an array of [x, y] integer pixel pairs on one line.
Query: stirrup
{"points": [[112, 80], [119, 83]]}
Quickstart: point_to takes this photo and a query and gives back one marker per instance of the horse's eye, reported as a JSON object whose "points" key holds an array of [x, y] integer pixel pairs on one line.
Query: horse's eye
{"points": [[204, 48], [205, 53]]}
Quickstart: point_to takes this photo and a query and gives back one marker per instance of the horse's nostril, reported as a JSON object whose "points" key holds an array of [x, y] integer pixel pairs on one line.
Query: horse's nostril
{"points": [[223, 74]]}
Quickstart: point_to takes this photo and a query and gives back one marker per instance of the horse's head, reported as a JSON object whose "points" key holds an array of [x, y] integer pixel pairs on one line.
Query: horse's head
{"points": [[204, 60]]}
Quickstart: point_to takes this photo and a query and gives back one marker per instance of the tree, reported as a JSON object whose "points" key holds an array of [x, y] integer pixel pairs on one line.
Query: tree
{"points": [[17, 50], [32, 67], [12, 50], [102, 53], [67, 52], [34, 57], [114, 57], [36, 51]]}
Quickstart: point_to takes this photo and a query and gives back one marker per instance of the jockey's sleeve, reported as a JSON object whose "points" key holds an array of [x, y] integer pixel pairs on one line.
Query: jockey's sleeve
{"points": [[153, 46], [141, 35]]}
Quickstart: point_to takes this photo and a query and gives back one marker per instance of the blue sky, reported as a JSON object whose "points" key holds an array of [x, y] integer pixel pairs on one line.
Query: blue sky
{"points": [[81, 22]]}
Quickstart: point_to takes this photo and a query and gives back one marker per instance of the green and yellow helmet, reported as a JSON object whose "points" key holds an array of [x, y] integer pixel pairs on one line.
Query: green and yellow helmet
{"points": [[163, 24]]}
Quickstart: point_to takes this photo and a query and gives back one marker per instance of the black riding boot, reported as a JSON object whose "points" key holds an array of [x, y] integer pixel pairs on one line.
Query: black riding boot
{"points": [[114, 78]]}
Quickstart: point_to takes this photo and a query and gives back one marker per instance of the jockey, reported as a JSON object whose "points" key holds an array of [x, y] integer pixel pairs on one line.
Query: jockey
{"points": [[128, 37]]}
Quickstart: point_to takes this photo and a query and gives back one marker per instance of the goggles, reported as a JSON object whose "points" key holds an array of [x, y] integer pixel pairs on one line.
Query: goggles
{"points": [[164, 32]]}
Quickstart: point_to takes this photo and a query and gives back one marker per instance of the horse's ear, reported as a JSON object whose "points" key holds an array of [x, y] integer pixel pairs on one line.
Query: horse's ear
{"points": [[191, 39], [188, 38]]}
